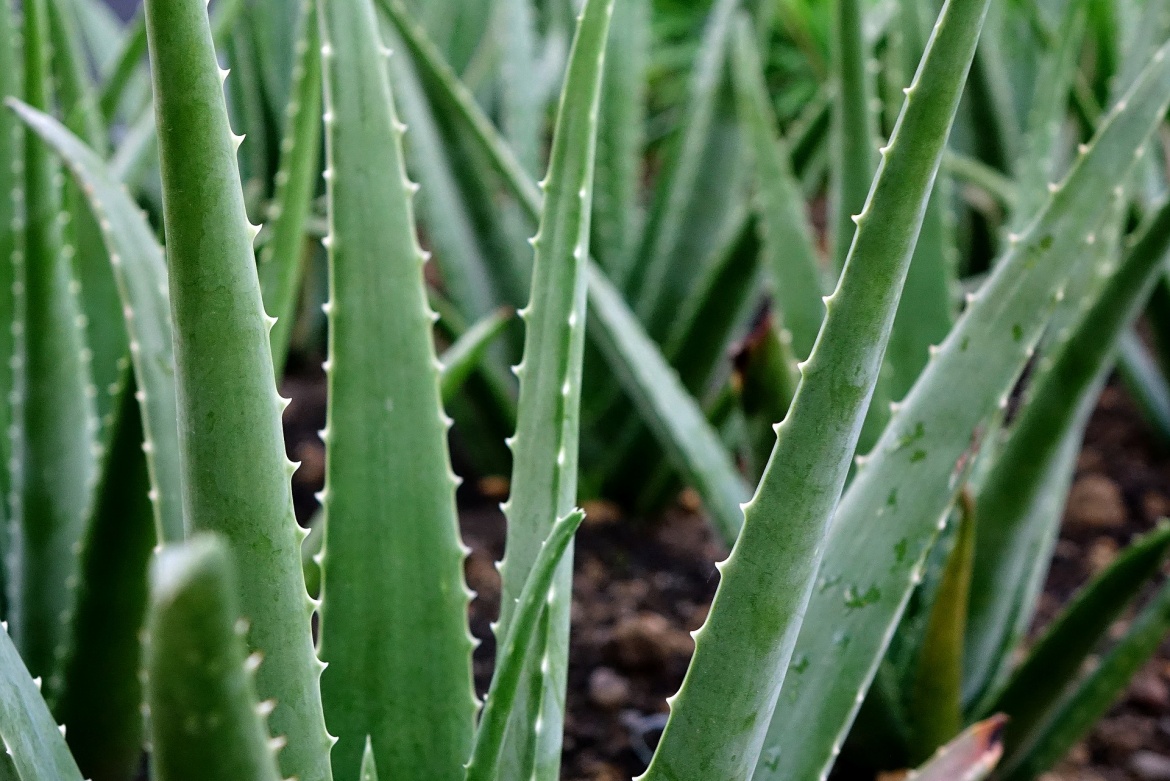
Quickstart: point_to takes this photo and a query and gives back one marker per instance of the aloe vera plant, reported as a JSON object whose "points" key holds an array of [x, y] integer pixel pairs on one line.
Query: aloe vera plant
{"points": [[884, 570]]}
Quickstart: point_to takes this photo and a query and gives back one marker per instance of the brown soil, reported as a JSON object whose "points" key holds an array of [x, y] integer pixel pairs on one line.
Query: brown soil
{"points": [[640, 589]]}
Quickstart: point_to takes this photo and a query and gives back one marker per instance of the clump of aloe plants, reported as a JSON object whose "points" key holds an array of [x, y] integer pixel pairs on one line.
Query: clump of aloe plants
{"points": [[910, 446]]}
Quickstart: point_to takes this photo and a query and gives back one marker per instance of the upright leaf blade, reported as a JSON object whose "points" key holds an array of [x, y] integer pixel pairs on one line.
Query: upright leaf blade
{"points": [[205, 719], [544, 448], [909, 482], [235, 472], [393, 618], [767, 581]]}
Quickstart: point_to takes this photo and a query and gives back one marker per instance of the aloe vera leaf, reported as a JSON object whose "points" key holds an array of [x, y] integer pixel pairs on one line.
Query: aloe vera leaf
{"points": [[1057, 659], [468, 351], [140, 271], [462, 256], [205, 719], [972, 756], [247, 107], [274, 27], [993, 102], [389, 490], [935, 704], [1019, 503], [673, 414], [772, 566], [853, 127], [369, 768], [545, 445], [1041, 144], [31, 737], [790, 254], [621, 138], [105, 335], [11, 227], [128, 62], [927, 309], [282, 258], [668, 409], [235, 472], [521, 109], [765, 380], [55, 410], [102, 694], [719, 302], [908, 481], [514, 651], [687, 196], [969, 170], [1146, 383], [1093, 696]]}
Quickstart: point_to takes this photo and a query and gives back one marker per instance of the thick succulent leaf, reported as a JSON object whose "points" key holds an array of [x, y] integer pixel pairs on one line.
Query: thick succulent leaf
{"points": [[100, 703], [1020, 500], [282, 259], [234, 469], [621, 131], [140, 271], [1144, 379], [521, 105], [767, 581], [698, 186], [667, 408], [870, 569], [790, 255], [545, 446], [369, 769], [31, 737], [393, 617], [971, 756], [676, 418], [514, 651], [467, 353], [935, 706], [57, 424], [1059, 656], [11, 188], [205, 720], [464, 259], [854, 125], [1093, 696], [127, 64]]}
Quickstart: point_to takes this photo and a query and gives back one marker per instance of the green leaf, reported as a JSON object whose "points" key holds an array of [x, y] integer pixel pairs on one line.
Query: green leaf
{"points": [[514, 651], [140, 271], [767, 581], [545, 446], [854, 125], [1144, 379], [31, 737], [468, 351], [100, 704], [235, 472], [1020, 501], [632, 355], [1057, 659], [790, 255], [1093, 696], [57, 424], [205, 720], [394, 613], [935, 701], [282, 259], [621, 131], [11, 187], [369, 770], [909, 481]]}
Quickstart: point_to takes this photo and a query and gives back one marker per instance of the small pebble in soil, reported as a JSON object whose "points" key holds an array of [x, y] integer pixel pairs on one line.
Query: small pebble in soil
{"points": [[1150, 766], [1096, 501], [608, 689], [647, 640]]}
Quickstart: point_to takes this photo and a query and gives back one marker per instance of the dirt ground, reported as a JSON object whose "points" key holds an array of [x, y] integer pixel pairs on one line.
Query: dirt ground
{"points": [[640, 589]]}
